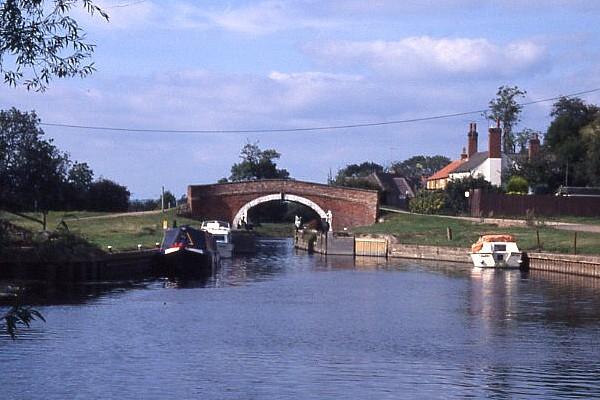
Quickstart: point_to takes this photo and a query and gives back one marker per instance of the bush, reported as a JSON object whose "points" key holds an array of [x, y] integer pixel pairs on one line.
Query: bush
{"points": [[428, 202], [456, 202], [517, 185]]}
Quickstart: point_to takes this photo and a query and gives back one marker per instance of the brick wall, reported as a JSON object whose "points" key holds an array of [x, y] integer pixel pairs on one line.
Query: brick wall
{"points": [[350, 207]]}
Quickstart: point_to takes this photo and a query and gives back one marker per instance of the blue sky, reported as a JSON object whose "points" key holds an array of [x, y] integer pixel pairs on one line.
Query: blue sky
{"points": [[214, 65]]}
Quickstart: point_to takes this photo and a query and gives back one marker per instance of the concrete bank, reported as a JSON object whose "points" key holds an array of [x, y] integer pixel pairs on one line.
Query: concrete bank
{"points": [[388, 246]]}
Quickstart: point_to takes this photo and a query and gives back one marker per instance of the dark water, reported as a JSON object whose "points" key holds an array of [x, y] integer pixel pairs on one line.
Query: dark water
{"points": [[281, 325]]}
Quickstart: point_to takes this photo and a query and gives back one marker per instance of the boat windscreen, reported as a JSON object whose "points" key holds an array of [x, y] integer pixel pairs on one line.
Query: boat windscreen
{"points": [[198, 237], [169, 238]]}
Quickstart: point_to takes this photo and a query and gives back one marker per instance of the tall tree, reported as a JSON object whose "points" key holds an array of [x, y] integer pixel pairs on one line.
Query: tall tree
{"points": [[591, 137], [77, 187], [32, 169], [106, 195], [506, 109], [564, 138], [257, 164], [40, 40]]}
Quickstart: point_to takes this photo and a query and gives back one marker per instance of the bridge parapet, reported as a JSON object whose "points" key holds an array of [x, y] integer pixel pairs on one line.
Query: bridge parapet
{"points": [[350, 207]]}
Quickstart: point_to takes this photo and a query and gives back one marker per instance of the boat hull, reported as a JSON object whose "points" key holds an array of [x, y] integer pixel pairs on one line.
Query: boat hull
{"points": [[225, 249], [497, 260], [188, 262]]}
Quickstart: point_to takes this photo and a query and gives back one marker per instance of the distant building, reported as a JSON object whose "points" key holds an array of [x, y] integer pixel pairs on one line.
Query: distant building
{"points": [[439, 180], [473, 163], [395, 190]]}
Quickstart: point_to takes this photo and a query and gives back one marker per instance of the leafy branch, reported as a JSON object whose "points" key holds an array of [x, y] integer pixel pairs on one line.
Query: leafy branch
{"points": [[19, 316], [39, 42]]}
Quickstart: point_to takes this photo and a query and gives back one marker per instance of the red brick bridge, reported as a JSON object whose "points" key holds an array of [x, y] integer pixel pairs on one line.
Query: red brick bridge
{"points": [[344, 207]]}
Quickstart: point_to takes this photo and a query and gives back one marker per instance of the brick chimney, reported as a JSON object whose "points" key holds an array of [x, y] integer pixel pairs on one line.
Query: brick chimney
{"points": [[534, 147], [463, 155], [472, 139], [495, 141]]}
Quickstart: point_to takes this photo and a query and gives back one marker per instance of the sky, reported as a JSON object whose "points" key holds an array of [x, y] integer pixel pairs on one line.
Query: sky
{"points": [[275, 64]]}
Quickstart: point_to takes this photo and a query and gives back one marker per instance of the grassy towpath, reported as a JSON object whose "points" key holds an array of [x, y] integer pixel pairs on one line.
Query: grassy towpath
{"points": [[122, 231], [431, 230]]}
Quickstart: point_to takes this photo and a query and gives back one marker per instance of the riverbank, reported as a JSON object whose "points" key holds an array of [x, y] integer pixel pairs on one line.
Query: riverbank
{"points": [[415, 229], [121, 231]]}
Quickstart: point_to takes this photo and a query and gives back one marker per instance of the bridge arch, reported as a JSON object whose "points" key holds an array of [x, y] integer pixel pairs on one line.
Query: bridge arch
{"points": [[243, 211]]}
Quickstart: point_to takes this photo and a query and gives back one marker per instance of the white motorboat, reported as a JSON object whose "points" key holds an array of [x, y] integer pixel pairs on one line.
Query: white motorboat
{"points": [[496, 251], [221, 231]]}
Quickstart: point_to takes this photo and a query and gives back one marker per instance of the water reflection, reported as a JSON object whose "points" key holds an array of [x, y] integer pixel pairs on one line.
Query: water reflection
{"points": [[56, 293]]}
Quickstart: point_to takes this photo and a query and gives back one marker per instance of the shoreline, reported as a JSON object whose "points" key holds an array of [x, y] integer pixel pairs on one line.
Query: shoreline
{"points": [[382, 246]]}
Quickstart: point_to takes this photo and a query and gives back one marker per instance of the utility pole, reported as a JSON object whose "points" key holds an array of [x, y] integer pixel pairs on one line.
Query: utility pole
{"points": [[162, 199]]}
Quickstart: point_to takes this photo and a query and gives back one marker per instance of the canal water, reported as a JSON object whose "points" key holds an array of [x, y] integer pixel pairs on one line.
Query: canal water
{"points": [[286, 325]]}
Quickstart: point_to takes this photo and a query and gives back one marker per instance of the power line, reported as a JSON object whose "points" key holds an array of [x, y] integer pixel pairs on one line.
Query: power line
{"points": [[305, 129]]}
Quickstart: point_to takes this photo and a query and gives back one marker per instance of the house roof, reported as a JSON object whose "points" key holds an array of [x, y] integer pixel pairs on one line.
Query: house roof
{"points": [[447, 170], [473, 162], [404, 187], [397, 185]]}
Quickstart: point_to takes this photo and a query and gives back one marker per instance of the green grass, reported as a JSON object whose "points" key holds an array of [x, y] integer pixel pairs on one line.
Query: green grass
{"points": [[122, 232], [429, 230]]}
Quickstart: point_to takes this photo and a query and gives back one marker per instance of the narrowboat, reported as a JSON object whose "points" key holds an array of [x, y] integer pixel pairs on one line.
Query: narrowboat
{"points": [[188, 251]]}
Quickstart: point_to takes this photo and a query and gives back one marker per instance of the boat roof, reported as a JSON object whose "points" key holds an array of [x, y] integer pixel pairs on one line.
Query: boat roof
{"points": [[497, 237], [491, 238], [173, 235], [215, 224]]}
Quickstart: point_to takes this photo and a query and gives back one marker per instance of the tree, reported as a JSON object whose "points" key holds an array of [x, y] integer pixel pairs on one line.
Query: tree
{"points": [[77, 187], [352, 175], [169, 200], [106, 195], [32, 169], [40, 40], [543, 173], [565, 141], [506, 109], [417, 167], [257, 164], [522, 138], [591, 137]]}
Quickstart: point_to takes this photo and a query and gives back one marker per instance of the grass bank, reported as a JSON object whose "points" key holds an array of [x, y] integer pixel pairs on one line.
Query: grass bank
{"points": [[429, 230], [121, 231]]}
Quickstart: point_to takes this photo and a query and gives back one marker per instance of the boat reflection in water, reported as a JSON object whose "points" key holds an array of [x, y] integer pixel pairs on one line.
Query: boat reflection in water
{"points": [[188, 252]]}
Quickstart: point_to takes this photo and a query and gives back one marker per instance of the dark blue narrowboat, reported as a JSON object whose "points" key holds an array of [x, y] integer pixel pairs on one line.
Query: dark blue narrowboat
{"points": [[186, 251]]}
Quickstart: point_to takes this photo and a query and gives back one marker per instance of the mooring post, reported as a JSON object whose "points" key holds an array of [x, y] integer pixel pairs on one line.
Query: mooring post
{"points": [[449, 233]]}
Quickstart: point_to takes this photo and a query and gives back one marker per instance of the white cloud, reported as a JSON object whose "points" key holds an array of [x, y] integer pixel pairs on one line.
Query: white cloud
{"points": [[267, 17], [421, 56]]}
